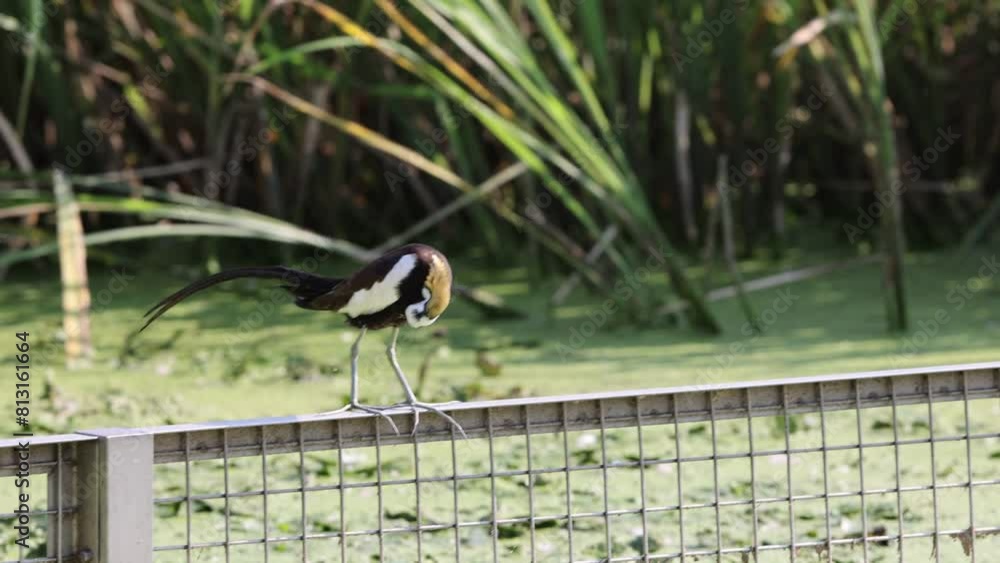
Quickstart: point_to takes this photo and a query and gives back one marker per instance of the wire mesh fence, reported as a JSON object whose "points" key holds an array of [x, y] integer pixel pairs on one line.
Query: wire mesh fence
{"points": [[901, 466], [40, 499]]}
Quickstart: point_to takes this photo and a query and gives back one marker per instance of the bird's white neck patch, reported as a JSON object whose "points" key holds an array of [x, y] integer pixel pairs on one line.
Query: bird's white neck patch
{"points": [[413, 312], [382, 293]]}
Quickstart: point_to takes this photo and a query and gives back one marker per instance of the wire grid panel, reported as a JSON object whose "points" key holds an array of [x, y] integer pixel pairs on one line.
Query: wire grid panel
{"points": [[873, 468], [53, 500]]}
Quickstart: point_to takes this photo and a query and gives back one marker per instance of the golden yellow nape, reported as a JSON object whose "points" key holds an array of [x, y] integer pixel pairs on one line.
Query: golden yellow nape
{"points": [[439, 284]]}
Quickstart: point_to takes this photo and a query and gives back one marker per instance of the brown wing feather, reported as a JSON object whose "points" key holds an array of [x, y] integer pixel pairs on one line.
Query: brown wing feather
{"points": [[364, 278]]}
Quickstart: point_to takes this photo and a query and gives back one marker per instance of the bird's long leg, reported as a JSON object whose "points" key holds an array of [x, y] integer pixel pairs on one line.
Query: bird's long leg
{"points": [[355, 404], [355, 353], [411, 398]]}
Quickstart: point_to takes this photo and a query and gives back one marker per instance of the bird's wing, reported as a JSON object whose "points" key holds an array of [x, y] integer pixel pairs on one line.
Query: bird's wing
{"points": [[371, 289]]}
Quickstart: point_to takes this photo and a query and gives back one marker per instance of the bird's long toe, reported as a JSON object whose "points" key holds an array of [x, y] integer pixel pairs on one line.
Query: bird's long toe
{"points": [[417, 406], [369, 409]]}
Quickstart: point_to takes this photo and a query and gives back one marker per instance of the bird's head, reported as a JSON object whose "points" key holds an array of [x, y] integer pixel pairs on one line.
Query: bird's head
{"points": [[436, 292]]}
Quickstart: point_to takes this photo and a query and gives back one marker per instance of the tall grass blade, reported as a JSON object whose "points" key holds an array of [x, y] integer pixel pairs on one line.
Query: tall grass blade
{"points": [[36, 21], [868, 50]]}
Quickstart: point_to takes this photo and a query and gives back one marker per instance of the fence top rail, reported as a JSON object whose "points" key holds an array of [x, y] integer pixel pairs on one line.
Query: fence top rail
{"points": [[45, 453], [577, 412], [45, 440], [595, 396]]}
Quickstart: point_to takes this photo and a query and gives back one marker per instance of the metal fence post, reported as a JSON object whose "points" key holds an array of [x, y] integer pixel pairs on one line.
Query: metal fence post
{"points": [[116, 496]]}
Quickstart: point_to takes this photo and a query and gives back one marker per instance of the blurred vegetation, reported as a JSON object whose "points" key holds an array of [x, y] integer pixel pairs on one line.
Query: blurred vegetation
{"points": [[543, 144], [527, 129]]}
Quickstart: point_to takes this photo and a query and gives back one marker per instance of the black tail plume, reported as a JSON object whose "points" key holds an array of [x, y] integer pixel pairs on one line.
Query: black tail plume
{"points": [[302, 285]]}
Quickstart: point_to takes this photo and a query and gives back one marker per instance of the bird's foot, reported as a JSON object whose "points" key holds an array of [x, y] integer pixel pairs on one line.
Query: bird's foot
{"points": [[416, 406], [376, 410]]}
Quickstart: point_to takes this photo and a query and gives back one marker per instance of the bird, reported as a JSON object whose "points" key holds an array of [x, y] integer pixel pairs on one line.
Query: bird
{"points": [[407, 286]]}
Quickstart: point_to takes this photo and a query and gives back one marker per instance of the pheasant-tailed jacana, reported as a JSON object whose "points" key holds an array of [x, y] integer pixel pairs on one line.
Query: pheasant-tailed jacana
{"points": [[409, 285]]}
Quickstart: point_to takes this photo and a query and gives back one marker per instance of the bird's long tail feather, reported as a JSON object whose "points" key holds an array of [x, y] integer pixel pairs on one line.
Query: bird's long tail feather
{"points": [[304, 286]]}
